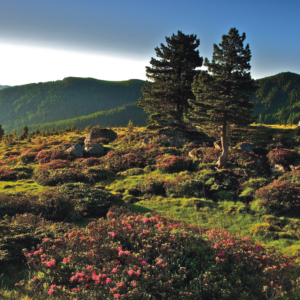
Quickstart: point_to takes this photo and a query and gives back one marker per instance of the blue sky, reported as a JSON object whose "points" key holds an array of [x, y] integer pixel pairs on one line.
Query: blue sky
{"points": [[114, 40]]}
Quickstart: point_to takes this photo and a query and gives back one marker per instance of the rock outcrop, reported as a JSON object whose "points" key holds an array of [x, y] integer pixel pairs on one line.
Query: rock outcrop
{"points": [[97, 133]]}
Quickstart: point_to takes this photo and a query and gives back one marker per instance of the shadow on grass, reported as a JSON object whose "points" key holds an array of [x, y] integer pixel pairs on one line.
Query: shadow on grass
{"points": [[138, 208]]}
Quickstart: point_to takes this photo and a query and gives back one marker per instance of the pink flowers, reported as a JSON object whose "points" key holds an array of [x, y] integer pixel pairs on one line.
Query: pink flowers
{"points": [[113, 234], [130, 272], [51, 263]]}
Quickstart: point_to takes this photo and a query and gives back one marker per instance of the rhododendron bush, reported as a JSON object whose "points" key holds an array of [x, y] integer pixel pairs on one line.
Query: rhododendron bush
{"points": [[131, 256], [282, 156]]}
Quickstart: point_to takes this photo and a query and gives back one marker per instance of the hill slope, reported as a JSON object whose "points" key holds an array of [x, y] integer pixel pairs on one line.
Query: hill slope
{"points": [[4, 87], [64, 99], [278, 98]]}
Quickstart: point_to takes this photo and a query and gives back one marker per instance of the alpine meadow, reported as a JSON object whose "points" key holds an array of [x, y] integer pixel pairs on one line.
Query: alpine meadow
{"points": [[184, 186]]}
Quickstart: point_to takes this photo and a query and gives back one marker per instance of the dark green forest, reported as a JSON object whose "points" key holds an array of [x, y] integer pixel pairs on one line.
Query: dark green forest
{"points": [[60, 100], [278, 99], [114, 117], [3, 87]]}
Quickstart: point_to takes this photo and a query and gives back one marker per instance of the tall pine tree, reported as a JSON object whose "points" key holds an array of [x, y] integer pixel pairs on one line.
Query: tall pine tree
{"points": [[170, 78], [222, 93]]}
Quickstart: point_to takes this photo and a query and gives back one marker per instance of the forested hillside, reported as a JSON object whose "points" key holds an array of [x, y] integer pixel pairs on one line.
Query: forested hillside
{"points": [[114, 117], [64, 99], [278, 99]]}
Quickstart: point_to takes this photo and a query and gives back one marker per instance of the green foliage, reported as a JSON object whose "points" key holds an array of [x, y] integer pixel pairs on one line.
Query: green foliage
{"points": [[89, 201], [170, 79]]}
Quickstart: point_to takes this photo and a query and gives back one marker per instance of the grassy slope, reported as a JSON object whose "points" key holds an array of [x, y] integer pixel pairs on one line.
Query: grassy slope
{"points": [[221, 214]]}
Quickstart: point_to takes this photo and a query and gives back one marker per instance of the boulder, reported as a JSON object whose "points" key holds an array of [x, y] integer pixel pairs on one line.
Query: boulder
{"points": [[75, 151], [246, 147], [94, 149], [97, 133]]}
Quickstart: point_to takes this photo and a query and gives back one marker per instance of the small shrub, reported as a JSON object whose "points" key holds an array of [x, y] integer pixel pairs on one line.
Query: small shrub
{"points": [[45, 156], [184, 186], [7, 173], [171, 163], [89, 201], [152, 185], [280, 197], [282, 156], [96, 174], [90, 162]]}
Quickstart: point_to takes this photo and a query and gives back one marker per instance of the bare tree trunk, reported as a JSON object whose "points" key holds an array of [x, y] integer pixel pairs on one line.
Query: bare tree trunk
{"points": [[224, 156]]}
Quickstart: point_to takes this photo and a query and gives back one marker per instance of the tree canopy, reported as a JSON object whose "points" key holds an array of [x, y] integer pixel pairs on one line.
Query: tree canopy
{"points": [[222, 92], [170, 78]]}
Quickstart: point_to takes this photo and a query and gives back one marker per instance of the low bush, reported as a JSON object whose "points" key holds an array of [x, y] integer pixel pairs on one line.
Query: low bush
{"points": [[28, 156], [96, 174], [173, 164], [184, 186], [45, 156], [56, 164], [89, 201], [7, 173], [152, 185], [282, 156], [47, 177], [280, 197], [24, 232], [137, 257], [90, 162]]}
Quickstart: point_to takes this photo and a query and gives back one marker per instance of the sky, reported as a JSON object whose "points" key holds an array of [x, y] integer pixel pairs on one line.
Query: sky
{"points": [[49, 40]]}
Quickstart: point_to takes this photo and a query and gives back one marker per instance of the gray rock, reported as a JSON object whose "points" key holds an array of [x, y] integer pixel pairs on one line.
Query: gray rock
{"points": [[75, 150], [246, 147], [97, 133], [277, 168], [94, 149]]}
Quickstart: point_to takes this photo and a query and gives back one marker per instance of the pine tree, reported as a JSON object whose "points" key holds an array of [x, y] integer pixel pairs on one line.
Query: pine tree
{"points": [[222, 93], [170, 79]]}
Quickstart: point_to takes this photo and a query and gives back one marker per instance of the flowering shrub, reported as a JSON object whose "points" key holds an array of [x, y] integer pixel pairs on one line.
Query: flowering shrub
{"points": [[171, 163], [206, 155], [7, 173], [138, 257], [117, 161], [45, 156], [280, 197], [282, 156]]}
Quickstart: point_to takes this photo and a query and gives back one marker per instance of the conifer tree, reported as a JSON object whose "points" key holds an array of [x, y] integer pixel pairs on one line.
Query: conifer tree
{"points": [[170, 79], [222, 93]]}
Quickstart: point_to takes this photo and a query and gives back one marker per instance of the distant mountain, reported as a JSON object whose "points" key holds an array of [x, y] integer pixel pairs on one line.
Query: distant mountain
{"points": [[278, 98], [3, 87], [70, 98]]}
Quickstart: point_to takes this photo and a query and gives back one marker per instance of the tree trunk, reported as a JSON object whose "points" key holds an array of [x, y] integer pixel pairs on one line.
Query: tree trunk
{"points": [[224, 156]]}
